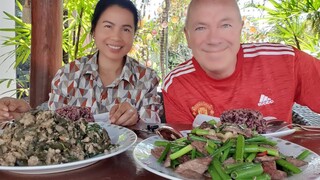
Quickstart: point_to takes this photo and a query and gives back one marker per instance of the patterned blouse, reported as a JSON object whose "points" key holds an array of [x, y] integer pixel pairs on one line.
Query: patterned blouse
{"points": [[78, 84]]}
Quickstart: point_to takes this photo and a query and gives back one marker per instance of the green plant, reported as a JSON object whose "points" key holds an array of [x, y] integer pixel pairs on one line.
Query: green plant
{"points": [[21, 40], [76, 41], [22, 86], [290, 20], [76, 33], [160, 41], [22, 43]]}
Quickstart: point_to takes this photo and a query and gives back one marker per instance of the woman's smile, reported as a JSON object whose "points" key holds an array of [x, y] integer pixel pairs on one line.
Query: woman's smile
{"points": [[115, 47]]}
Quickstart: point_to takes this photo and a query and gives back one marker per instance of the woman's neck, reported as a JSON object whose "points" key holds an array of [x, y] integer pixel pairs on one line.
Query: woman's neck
{"points": [[109, 70]]}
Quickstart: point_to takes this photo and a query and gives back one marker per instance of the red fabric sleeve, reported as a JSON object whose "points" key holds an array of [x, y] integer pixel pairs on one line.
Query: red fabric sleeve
{"points": [[307, 71]]}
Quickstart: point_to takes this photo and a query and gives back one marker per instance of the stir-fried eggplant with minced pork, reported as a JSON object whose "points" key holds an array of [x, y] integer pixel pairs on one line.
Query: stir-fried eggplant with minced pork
{"points": [[45, 138]]}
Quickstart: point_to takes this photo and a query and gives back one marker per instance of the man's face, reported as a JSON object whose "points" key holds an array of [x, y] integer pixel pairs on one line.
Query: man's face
{"points": [[213, 33]]}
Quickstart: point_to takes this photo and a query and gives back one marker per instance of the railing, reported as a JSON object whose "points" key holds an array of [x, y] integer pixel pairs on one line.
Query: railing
{"points": [[303, 115]]}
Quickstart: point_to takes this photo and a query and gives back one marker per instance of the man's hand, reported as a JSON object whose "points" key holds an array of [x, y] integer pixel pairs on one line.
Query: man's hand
{"points": [[11, 108], [123, 114]]}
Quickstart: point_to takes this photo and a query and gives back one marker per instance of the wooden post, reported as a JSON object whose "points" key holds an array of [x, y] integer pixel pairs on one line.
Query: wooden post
{"points": [[46, 47]]}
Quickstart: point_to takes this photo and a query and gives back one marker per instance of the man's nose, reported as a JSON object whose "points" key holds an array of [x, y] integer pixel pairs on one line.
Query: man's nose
{"points": [[214, 36]]}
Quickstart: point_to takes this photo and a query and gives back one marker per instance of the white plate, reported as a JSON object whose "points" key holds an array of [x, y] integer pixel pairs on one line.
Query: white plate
{"points": [[142, 155], [103, 117], [122, 136], [200, 118]]}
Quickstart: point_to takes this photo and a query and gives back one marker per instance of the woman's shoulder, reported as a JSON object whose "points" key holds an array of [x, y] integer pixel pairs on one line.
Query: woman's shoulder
{"points": [[79, 64]]}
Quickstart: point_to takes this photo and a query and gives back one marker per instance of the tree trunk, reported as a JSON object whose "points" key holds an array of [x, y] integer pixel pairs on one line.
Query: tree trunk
{"points": [[164, 40], [78, 34]]}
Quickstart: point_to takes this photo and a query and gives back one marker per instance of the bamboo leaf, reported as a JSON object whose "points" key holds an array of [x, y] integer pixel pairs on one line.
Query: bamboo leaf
{"points": [[14, 18]]}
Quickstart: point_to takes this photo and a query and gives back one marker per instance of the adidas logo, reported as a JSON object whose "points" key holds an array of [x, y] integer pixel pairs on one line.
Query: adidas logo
{"points": [[265, 100]]}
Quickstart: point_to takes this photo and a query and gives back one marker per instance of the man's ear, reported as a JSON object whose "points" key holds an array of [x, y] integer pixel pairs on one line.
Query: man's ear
{"points": [[242, 24], [187, 35]]}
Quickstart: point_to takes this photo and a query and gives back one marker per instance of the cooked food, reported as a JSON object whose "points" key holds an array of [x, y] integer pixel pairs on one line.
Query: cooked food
{"points": [[75, 113], [45, 138], [226, 152], [250, 118], [168, 133]]}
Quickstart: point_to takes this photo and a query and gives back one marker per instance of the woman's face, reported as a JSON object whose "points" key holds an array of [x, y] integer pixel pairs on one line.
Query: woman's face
{"points": [[114, 33]]}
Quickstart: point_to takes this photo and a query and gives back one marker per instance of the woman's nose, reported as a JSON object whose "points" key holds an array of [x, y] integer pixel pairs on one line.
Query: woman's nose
{"points": [[116, 34]]}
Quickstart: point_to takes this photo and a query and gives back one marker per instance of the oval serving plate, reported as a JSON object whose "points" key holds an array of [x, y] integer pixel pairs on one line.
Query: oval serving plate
{"points": [[119, 135]]}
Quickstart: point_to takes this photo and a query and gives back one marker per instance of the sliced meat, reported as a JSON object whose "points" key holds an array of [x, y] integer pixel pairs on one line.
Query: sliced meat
{"points": [[212, 137], [167, 162], [206, 125], [200, 146], [296, 162], [207, 175], [157, 151], [270, 168], [266, 158], [194, 168], [236, 129], [184, 159], [190, 174], [228, 161]]}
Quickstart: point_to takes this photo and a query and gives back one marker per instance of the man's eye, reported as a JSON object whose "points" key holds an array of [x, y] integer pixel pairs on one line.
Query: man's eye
{"points": [[226, 26], [108, 26], [199, 28]]}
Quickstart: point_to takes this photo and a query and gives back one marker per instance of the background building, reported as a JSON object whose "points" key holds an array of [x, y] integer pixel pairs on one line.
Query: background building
{"points": [[7, 71]]}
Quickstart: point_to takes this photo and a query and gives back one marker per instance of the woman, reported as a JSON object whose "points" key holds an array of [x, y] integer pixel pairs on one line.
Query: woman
{"points": [[109, 81]]}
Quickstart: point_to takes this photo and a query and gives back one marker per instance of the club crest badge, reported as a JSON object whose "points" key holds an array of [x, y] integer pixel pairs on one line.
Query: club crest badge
{"points": [[202, 108]]}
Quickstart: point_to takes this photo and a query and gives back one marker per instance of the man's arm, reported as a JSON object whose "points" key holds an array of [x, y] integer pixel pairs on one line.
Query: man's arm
{"points": [[307, 70]]}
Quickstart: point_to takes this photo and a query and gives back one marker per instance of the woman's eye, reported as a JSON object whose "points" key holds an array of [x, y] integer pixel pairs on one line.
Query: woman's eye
{"points": [[108, 26], [127, 30]]}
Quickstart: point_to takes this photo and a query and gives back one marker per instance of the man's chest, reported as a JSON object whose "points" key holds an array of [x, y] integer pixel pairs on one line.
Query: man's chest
{"points": [[214, 100]]}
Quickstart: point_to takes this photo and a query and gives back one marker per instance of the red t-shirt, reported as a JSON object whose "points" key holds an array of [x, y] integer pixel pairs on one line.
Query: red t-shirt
{"points": [[268, 78]]}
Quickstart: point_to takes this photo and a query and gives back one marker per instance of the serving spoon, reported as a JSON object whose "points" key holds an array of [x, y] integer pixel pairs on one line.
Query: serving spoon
{"points": [[276, 125]]}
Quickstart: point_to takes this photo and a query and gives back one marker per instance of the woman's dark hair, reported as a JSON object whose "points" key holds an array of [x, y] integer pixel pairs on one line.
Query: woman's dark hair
{"points": [[102, 5]]}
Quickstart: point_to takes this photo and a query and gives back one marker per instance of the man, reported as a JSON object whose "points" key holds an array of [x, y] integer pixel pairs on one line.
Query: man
{"points": [[224, 74]]}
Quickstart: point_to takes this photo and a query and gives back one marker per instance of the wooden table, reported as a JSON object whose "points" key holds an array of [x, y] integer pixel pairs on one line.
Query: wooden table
{"points": [[124, 167]]}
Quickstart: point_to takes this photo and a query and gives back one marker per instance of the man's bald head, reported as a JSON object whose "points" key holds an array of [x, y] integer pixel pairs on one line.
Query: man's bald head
{"points": [[195, 3], [213, 32]]}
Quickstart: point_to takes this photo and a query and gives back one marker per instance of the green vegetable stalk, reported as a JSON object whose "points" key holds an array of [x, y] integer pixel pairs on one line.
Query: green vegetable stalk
{"points": [[181, 152], [247, 173]]}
